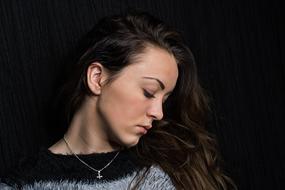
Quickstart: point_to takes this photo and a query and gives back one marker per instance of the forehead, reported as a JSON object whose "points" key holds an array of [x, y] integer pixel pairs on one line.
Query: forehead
{"points": [[154, 62]]}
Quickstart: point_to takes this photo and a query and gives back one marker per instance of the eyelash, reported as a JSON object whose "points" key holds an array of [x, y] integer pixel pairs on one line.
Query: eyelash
{"points": [[148, 95]]}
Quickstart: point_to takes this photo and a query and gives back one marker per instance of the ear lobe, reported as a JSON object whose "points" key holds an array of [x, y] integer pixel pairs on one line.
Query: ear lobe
{"points": [[95, 77]]}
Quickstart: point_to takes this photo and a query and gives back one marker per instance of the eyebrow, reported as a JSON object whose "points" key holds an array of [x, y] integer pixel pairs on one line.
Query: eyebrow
{"points": [[162, 86]]}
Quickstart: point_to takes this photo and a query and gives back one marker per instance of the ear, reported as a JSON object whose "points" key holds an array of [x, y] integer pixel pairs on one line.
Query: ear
{"points": [[96, 75]]}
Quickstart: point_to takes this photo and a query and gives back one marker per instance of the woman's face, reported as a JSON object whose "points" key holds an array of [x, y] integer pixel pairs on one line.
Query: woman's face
{"points": [[136, 96]]}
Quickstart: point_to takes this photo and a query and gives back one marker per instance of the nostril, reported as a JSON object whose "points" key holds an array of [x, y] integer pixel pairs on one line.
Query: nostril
{"points": [[156, 111]]}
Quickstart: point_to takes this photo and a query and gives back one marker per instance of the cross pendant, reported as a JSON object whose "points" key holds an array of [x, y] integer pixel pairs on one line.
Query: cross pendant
{"points": [[99, 176]]}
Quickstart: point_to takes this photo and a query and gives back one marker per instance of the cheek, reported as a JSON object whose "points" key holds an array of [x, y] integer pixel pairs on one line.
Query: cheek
{"points": [[123, 107]]}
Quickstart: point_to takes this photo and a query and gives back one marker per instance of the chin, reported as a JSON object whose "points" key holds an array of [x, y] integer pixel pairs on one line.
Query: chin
{"points": [[127, 140], [130, 142]]}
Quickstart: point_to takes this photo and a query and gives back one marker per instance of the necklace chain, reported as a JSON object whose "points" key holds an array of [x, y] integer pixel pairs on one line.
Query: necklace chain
{"points": [[99, 176]]}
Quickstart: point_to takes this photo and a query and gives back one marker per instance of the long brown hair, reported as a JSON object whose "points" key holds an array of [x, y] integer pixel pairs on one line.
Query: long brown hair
{"points": [[179, 143]]}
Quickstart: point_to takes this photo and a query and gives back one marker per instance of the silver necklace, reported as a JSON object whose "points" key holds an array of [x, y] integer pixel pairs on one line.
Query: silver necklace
{"points": [[99, 176]]}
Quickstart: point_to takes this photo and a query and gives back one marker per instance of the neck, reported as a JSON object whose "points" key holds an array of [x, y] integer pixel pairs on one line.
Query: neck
{"points": [[86, 134]]}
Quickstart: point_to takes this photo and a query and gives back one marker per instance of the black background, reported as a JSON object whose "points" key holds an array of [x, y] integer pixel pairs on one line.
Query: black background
{"points": [[238, 45]]}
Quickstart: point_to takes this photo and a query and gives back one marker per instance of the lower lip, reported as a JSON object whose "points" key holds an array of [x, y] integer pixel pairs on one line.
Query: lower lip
{"points": [[142, 129]]}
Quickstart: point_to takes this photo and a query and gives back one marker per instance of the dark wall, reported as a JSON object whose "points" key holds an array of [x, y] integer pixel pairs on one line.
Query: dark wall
{"points": [[239, 48]]}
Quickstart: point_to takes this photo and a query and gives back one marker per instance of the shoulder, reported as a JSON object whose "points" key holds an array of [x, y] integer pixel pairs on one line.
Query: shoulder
{"points": [[20, 172], [156, 178], [5, 186]]}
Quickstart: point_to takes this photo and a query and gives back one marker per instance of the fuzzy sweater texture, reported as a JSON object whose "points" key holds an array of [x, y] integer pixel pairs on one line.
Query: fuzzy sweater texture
{"points": [[48, 171]]}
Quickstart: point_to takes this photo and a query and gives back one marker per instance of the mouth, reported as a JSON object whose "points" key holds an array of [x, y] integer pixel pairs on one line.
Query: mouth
{"points": [[147, 127], [143, 129]]}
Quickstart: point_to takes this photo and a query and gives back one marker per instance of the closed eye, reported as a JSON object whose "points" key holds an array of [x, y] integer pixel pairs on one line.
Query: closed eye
{"points": [[147, 94]]}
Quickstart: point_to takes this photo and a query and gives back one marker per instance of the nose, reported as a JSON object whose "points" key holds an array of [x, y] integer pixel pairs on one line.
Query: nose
{"points": [[155, 110]]}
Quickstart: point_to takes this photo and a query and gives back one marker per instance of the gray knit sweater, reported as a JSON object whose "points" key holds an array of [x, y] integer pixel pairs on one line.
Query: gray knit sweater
{"points": [[49, 171]]}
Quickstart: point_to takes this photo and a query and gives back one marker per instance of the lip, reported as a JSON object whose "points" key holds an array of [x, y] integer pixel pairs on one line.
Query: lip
{"points": [[144, 129], [147, 127]]}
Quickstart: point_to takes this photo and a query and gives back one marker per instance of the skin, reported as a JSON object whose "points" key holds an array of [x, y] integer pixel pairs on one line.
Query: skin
{"points": [[108, 120]]}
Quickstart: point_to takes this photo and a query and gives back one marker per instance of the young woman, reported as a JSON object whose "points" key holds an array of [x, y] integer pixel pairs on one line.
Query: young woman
{"points": [[136, 116]]}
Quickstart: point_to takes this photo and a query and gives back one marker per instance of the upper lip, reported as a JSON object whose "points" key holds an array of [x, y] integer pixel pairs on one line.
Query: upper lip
{"points": [[147, 127]]}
